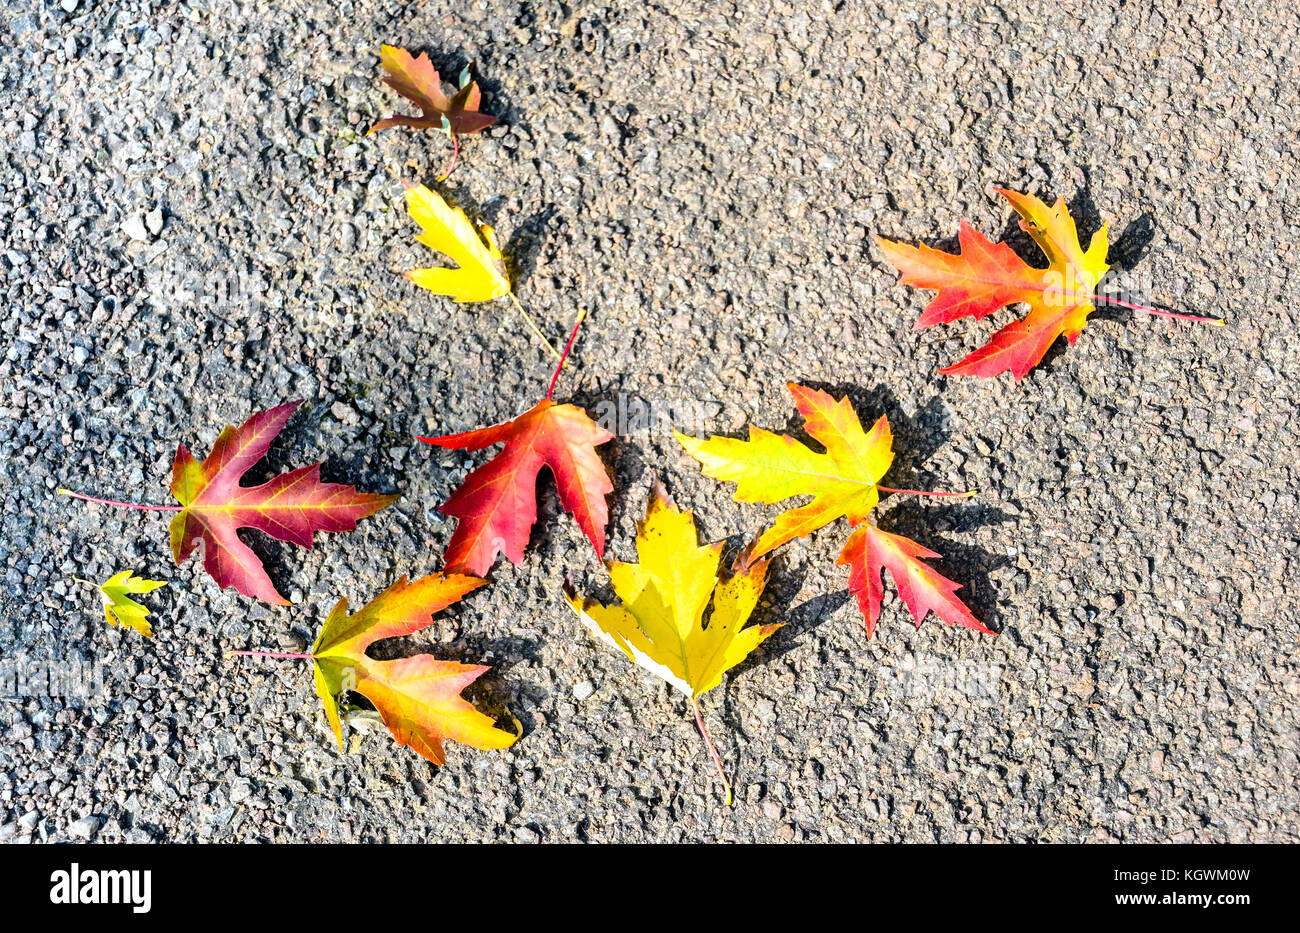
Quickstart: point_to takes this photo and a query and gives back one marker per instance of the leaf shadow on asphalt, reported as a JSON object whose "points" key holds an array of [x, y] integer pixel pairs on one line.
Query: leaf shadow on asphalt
{"points": [[525, 244], [795, 620], [627, 462], [1125, 253]]}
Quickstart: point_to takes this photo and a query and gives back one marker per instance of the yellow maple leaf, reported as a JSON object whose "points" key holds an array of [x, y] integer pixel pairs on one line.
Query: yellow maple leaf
{"points": [[770, 468], [480, 273], [660, 621], [119, 607], [844, 482]]}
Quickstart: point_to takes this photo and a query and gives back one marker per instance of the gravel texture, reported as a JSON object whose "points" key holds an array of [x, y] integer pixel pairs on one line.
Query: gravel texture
{"points": [[195, 227]]}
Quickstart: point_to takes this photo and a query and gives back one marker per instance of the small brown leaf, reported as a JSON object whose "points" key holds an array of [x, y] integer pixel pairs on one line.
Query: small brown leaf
{"points": [[417, 80]]}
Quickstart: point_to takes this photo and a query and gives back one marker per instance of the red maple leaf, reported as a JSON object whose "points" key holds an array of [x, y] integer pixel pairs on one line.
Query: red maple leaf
{"points": [[497, 503], [922, 588], [214, 506], [290, 507], [496, 506]]}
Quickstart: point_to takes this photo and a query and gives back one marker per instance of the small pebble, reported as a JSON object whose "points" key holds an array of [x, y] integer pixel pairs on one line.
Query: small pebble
{"points": [[134, 228], [84, 828]]}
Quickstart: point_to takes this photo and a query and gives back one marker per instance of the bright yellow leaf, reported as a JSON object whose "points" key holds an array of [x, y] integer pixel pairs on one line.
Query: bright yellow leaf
{"points": [[481, 272], [660, 621], [120, 608], [771, 468]]}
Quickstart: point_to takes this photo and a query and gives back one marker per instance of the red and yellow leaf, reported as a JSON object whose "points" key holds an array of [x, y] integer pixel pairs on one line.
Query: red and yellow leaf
{"points": [[417, 697], [922, 588], [985, 277], [290, 507], [496, 506], [843, 482]]}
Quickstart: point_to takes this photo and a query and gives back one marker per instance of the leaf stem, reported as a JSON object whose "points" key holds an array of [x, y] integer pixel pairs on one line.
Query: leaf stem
{"points": [[272, 654], [920, 492], [528, 319], [573, 335], [699, 721], [121, 505], [1216, 321], [455, 155]]}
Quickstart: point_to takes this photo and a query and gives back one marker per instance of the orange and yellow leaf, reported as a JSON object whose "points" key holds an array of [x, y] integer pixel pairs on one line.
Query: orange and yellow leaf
{"points": [[985, 276], [418, 697], [842, 480]]}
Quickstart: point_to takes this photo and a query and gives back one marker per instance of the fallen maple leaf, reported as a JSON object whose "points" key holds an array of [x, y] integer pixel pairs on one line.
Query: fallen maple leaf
{"points": [[986, 276], [417, 697], [480, 273], [843, 481], [417, 80], [214, 506], [922, 589], [660, 623], [496, 506], [119, 607]]}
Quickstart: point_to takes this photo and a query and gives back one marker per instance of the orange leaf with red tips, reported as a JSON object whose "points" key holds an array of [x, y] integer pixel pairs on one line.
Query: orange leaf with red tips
{"points": [[290, 507], [417, 80], [985, 277], [844, 482], [497, 504]]}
